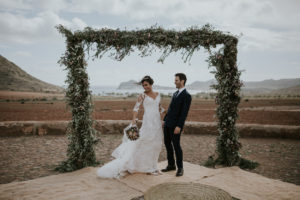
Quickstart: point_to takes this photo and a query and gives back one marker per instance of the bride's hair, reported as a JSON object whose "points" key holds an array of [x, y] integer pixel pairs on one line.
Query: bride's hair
{"points": [[147, 79]]}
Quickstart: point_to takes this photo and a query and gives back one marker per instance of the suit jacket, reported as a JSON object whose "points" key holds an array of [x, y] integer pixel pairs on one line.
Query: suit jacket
{"points": [[178, 110]]}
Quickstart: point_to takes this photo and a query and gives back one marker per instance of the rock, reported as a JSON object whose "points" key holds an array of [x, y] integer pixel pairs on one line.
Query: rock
{"points": [[41, 131]]}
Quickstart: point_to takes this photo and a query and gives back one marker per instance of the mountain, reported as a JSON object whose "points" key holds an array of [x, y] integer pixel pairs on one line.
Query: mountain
{"points": [[200, 85], [128, 85], [259, 86], [288, 90], [14, 78], [270, 86], [133, 85], [273, 84]]}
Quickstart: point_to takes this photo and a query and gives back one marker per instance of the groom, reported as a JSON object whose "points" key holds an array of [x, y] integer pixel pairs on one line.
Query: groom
{"points": [[174, 122]]}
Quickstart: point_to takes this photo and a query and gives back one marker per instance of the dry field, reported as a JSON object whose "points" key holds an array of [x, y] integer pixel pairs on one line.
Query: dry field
{"points": [[24, 158], [30, 106]]}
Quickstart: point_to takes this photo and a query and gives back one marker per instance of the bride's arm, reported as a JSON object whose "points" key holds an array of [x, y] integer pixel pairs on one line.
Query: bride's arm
{"points": [[161, 108], [162, 112], [136, 108]]}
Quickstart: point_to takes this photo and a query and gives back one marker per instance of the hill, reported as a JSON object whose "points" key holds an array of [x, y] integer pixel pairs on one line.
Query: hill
{"points": [[288, 90], [13, 78], [270, 86], [132, 84]]}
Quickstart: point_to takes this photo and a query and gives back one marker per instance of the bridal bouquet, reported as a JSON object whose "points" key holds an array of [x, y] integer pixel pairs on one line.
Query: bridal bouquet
{"points": [[132, 132]]}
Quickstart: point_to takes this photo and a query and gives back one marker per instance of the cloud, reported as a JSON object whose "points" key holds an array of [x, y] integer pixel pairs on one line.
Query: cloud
{"points": [[18, 28], [23, 54], [265, 24], [76, 24], [6, 5]]}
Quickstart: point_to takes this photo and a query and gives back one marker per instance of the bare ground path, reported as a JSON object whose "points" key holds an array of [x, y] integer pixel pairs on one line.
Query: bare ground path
{"points": [[30, 157]]}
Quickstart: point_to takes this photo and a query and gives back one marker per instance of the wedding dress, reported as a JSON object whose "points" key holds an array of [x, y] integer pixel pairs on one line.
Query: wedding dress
{"points": [[140, 155]]}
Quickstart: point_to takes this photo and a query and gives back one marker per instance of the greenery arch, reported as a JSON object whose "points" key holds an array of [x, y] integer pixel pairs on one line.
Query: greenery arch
{"points": [[82, 135]]}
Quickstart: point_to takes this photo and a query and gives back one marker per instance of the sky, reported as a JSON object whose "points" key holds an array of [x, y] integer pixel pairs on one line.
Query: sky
{"points": [[268, 30]]}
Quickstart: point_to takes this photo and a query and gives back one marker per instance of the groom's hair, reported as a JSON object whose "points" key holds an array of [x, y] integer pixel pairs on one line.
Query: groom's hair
{"points": [[181, 76]]}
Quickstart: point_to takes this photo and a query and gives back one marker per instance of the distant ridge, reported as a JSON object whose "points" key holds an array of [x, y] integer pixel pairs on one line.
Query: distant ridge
{"points": [[289, 90], [269, 86], [13, 78], [132, 84]]}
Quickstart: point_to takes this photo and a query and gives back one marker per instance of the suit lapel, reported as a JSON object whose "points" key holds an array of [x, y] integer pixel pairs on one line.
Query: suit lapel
{"points": [[181, 93], [175, 99]]}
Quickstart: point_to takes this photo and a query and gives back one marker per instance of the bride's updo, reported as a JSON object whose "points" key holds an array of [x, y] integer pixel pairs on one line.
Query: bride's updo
{"points": [[148, 79]]}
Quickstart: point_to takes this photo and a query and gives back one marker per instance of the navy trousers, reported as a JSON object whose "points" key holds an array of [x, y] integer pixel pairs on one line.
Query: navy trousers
{"points": [[172, 143]]}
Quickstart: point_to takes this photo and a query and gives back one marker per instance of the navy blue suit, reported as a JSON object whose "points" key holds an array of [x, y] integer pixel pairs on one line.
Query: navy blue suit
{"points": [[176, 115]]}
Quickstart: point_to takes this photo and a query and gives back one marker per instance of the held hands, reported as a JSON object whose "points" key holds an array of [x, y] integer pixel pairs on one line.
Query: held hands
{"points": [[134, 122], [177, 130]]}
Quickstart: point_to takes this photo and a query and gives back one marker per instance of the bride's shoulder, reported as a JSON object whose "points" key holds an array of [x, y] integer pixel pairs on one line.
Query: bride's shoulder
{"points": [[141, 96], [158, 95]]}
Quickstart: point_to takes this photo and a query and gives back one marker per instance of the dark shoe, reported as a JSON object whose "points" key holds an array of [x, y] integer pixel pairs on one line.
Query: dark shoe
{"points": [[169, 168], [179, 172]]}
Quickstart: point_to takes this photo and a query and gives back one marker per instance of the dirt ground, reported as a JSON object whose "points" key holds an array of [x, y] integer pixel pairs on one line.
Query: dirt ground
{"points": [[39, 107], [29, 157]]}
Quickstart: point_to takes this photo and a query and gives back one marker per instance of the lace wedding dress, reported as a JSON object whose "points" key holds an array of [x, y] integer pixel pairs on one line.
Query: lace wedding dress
{"points": [[142, 154]]}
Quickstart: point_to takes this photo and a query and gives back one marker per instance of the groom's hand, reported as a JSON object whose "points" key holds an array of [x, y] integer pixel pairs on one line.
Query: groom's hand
{"points": [[177, 130]]}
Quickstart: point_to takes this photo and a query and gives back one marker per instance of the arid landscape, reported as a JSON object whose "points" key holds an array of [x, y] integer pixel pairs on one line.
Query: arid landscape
{"points": [[26, 157], [26, 106], [71, 73], [29, 157]]}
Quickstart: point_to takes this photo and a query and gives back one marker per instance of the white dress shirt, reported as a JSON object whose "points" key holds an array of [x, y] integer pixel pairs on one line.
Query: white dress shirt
{"points": [[180, 90]]}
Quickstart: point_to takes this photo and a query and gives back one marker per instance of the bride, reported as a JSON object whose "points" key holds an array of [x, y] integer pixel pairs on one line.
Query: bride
{"points": [[140, 155]]}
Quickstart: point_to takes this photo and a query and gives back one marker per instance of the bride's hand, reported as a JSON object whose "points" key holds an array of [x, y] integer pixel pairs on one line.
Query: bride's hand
{"points": [[177, 130]]}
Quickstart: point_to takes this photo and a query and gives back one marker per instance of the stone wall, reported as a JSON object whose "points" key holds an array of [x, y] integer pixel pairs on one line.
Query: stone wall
{"points": [[21, 128]]}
